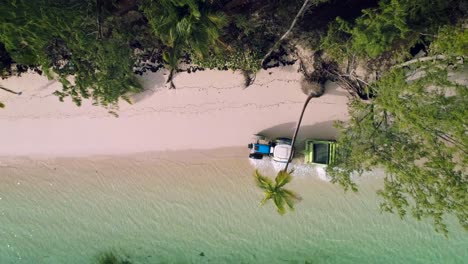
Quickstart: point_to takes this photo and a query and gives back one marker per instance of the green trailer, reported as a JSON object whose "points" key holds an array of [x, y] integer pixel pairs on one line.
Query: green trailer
{"points": [[320, 152]]}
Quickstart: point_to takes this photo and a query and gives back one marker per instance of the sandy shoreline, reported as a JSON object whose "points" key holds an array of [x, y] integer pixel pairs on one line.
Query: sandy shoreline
{"points": [[208, 110]]}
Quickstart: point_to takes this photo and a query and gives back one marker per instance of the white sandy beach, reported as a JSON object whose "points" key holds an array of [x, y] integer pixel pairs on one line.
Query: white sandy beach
{"points": [[209, 109]]}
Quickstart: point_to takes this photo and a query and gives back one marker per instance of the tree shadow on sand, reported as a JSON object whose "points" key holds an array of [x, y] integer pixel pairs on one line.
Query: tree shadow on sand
{"points": [[334, 88], [151, 82]]}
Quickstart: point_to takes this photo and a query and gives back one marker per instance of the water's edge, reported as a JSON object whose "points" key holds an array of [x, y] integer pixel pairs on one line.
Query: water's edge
{"points": [[170, 207]]}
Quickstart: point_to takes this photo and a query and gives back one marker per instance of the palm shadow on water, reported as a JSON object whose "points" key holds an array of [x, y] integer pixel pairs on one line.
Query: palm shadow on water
{"points": [[111, 257], [321, 130], [151, 83]]}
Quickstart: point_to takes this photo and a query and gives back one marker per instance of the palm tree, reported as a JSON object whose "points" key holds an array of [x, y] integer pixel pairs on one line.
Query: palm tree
{"points": [[183, 25], [275, 191], [299, 14], [313, 88]]}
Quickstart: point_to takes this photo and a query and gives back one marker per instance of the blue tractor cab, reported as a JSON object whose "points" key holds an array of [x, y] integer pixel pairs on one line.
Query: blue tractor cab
{"points": [[260, 148]]}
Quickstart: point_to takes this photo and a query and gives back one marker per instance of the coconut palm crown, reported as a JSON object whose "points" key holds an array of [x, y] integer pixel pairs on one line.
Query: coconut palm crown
{"points": [[283, 198], [184, 25]]}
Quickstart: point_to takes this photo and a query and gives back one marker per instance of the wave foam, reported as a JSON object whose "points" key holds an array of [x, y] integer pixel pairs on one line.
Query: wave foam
{"points": [[269, 166]]}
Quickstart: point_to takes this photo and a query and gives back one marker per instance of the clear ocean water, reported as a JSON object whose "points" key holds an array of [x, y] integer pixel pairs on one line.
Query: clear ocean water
{"points": [[198, 207]]}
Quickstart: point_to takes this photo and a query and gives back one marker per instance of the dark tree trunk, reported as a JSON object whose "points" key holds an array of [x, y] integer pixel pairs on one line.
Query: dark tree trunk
{"points": [[10, 91], [236, 3], [170, 79], [98, 19], [293, 23]]}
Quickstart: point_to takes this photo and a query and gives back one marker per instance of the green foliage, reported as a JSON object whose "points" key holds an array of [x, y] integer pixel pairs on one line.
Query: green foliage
{"points": [[62, 37], [372, 34], [416, 131], [244, 46], [275, 191], [376, 31], [106, 83], [237, 60], [248, 36], [337, 41], [184, 25], [451, 41], [392, 27]]}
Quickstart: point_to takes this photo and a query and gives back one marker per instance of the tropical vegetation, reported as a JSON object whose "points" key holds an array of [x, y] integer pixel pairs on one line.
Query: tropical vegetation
{"points": [[415, 129], [184, 27], [408, 108], [72, 42]]}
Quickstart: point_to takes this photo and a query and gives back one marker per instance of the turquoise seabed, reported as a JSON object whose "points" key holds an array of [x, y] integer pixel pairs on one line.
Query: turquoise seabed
{"points": [[168, 209]]}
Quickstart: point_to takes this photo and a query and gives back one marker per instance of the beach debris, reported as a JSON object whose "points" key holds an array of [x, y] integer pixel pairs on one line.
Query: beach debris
{"points": [[10, 91]]}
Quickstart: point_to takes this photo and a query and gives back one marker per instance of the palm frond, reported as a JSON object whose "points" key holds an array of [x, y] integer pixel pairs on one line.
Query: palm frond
{"points": [[263, 182], [184, 28], [268, 196], [195, 12], [282, 178], [218, 19], [290, 197], [279, 202], [185, 25]]}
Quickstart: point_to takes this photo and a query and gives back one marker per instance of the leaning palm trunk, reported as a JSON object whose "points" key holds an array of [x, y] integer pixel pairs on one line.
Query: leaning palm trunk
{"points": [[299, 14], [296, 131], [312, 87]]}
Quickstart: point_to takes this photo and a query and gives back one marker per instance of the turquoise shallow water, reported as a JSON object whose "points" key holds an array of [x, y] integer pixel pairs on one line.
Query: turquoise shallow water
{"points": [[170, 207]]}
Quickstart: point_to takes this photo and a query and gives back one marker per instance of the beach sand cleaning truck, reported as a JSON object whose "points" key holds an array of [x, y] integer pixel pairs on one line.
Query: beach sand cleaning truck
{"points": [[320, 152]]}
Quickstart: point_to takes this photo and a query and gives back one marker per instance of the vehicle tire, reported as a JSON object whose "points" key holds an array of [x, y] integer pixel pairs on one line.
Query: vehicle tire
{"points": [[256, 156], [259, 137]]}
